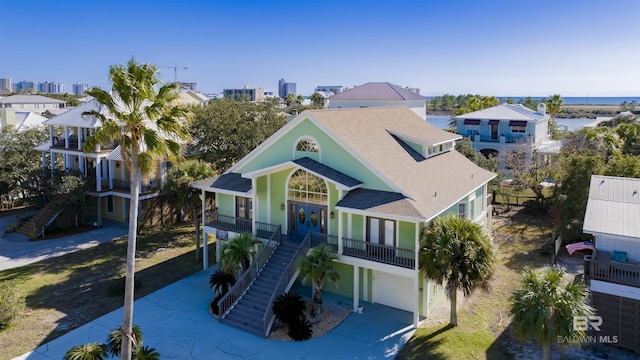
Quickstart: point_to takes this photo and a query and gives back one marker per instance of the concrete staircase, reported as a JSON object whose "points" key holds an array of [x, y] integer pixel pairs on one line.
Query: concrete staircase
{"points": [[248, 312], [33, 227]]}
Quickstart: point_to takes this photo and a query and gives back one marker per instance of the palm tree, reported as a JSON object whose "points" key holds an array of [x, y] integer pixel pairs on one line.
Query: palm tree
{"points": [[317, 265], [455, 250], [182, 195], [316, 100], [239, 250], [545, 305], [149, 128], [114, 341], [554, 105], [289, 99], [91, 351], [221, 281]]}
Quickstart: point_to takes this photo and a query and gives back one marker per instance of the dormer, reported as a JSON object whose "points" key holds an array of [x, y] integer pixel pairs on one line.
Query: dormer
{"points": [[425, 147]]}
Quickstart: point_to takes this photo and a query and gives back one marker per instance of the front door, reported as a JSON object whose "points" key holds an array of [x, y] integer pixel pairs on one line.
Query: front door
{"points": [[307, 217]]}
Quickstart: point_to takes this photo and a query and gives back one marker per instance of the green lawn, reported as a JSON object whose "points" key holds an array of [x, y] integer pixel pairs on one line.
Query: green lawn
{"points": [[483, 319], [66, 292]]}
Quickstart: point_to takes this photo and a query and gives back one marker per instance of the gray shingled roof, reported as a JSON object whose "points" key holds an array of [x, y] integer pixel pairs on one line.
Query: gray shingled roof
{"points": [[613, 206], [30, 99], [505, 112], [232, 182], [432, 184], [325, 171], [384, 202], [377, 91]]}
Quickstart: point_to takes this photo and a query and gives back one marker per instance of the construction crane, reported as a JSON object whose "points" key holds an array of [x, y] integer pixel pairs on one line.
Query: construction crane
{"points": [[175, 68]]}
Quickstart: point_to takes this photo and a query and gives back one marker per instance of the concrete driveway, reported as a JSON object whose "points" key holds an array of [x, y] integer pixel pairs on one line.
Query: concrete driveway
{"points": [[176, 322], [16, 250]]}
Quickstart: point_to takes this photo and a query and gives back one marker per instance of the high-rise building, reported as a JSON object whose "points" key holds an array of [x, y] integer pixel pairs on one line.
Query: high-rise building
{"points": [[188, 86], [79, 89], [286, 88], [245, 93], [26, 86], [51, 88], [335, 89], [5, 84]]}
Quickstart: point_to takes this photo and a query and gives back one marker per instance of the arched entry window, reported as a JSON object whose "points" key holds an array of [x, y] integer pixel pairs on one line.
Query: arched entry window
{"points": [[308, 199], [307, 188]]}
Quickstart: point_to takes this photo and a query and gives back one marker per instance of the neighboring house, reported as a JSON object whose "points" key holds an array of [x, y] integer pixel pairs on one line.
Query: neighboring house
{"points": [[20, 120], [33, 103], [365, 181], [509, 129], [613, 218], [104, 166], [377, 94], [189, 97]]}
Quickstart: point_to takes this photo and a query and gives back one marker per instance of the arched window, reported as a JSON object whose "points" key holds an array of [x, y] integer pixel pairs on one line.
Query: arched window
{"points": [[307, 145], [307, 188]]}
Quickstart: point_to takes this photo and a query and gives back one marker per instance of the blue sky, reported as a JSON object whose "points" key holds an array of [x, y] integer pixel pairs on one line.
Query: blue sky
{"points": [[518, 48]]}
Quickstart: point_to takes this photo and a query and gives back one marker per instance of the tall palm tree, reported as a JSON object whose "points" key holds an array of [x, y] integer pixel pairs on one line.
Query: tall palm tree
{"points": [[317, 100], [182, 195], [317, 266], [148, 126], [545, 305], [289, 99], [239, 251], [455, 251], [554, 105]]}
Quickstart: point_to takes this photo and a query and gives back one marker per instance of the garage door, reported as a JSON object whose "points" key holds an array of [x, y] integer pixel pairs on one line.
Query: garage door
{"points": [[393, 290]]}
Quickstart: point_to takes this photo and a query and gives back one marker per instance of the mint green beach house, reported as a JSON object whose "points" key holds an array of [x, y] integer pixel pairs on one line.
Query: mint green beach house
{"points": [[365, 181]]}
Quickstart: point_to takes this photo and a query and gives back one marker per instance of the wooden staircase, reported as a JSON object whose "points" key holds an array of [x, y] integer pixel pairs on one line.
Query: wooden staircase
{"points": [[36, 224]]}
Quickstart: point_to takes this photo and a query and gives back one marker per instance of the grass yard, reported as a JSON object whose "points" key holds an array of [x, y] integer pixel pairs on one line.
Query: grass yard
{"points": [[483, 319], [66, 292]]}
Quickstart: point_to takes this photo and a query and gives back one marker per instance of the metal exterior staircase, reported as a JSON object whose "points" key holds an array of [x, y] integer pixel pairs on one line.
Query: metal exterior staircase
{"points": [[36, 224], [253, 308]]}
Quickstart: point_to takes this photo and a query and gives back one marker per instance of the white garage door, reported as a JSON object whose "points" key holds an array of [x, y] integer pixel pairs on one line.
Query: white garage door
{"points": [[393, 290]]}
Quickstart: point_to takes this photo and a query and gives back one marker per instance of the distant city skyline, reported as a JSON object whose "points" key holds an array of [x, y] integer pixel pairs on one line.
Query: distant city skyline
{"points": [[501, 48]]}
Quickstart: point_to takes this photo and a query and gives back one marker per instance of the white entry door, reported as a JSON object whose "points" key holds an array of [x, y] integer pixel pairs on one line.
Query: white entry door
{"points": [[393, 290]]}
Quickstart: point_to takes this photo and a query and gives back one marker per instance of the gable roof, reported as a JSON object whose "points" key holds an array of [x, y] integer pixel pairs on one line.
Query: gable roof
{"points": [[74, 116], [505, 112], [29, 99], [29, 120], [613, 206], [377, 91]]}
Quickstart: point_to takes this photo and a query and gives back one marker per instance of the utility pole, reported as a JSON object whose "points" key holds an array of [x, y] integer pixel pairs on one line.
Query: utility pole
{"points": [[175, 68]]}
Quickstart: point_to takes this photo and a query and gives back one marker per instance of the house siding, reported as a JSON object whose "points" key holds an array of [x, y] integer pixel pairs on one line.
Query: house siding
{"points": [[331, 154], [226, 204], [609, 245]]}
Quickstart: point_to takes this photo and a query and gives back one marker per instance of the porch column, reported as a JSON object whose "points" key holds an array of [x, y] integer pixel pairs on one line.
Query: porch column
{"points": [[340, 245], [269, 198], [79, 139], [81, 163], [65, 162], [254, 206], [51, 135], [66, 137], [99, 212], [53, 162], [425, 297], [98, 174], [44, 160], [416, 299], [205, 249], [111, 173], [417, 246], [356, 287]]}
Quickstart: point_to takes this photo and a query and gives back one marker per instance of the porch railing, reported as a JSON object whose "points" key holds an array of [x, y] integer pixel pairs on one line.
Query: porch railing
{"points": [[225, 222], [368, 251], [615, 272], [245, 280], [285, 278]]}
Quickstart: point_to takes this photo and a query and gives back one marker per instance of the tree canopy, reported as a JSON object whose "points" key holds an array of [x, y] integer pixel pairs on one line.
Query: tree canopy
{"points": [[225, 130]]}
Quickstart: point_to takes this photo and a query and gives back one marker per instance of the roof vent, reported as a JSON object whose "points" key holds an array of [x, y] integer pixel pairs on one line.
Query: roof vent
{"points": [[542, 109]]}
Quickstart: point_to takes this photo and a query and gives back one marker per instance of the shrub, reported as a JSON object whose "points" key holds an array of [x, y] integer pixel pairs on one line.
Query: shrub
{"points": [[214, 304], [91, 351], [116, 288], [12, 301], [289, 307], [146, 353], [114, 341], [221, 281], [300, 330]]}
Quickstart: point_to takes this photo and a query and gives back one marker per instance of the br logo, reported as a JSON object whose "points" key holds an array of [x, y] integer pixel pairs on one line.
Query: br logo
{"points": [[582, 323]]}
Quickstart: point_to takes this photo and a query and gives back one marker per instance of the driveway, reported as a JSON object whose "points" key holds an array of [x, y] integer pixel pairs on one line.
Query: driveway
{"points": [[16, 250], [176, 322]]}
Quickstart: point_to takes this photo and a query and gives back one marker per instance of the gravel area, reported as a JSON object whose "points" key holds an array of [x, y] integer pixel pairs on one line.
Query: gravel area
{"points": [[332, 315]]}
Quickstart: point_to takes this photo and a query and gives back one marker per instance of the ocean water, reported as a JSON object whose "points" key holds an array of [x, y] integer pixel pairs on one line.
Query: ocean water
{"points": [[442, 122], [581, 100]]}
